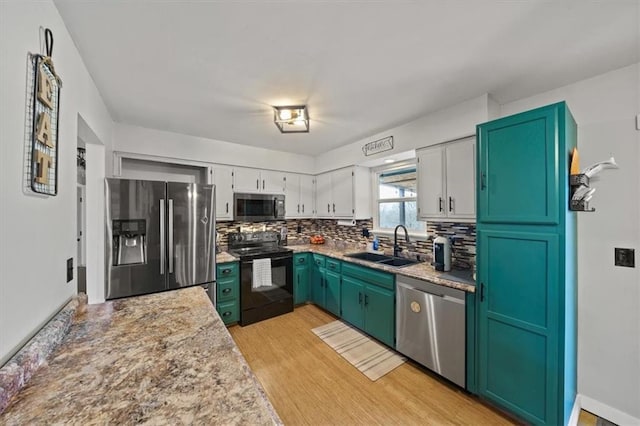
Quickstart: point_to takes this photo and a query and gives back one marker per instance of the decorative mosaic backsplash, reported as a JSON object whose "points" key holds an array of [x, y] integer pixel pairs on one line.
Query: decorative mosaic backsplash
{"points": [[463, 236]]}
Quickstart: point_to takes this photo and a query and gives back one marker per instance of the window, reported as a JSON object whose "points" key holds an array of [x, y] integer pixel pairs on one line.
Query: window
{"points": [[396, 197]]}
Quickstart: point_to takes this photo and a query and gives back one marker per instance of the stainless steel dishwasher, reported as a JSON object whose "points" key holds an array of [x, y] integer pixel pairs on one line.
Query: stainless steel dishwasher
{"points": [[430, 326]]}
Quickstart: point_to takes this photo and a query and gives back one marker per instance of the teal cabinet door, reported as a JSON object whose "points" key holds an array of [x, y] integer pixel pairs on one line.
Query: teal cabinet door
{"points": [[353, 301], [518, 168], [300, 284], [380, 314], [317, 280], [518, 323], [332, 292], [301, 278]]}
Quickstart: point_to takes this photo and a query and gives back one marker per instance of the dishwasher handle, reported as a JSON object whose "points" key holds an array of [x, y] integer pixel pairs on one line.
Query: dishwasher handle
{"points": [[443, 296]]}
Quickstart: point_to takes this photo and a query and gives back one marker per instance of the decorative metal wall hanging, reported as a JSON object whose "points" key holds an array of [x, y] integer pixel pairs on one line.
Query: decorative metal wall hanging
{"points": [[381, 145], [43, 113]]}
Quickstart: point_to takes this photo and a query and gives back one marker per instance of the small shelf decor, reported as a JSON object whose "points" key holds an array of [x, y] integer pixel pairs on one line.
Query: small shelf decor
{"points": [[581, 192]]}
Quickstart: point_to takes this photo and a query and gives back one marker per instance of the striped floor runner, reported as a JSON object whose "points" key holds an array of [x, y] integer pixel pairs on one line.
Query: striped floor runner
{"points": [[373, 359]]}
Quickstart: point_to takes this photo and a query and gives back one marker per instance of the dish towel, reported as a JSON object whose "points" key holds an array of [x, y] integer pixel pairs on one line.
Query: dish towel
{"points": [[261, 273]]}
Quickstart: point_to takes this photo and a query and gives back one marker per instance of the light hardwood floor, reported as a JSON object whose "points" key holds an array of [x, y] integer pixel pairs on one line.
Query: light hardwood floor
{"points": [[309, 383]]}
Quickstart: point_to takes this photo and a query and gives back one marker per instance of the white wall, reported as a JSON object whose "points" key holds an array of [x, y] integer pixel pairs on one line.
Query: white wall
{"points": [[140, 140], [38, 233], [608, 296], [440, 126]]}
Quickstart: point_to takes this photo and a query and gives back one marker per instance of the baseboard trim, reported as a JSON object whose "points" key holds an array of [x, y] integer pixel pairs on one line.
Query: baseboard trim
{"points": [[606, 412], [575, 411]]}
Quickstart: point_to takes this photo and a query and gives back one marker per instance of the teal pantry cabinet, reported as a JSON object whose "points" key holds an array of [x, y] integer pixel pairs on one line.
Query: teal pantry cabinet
{"points": [[526, 257], [368, 301], [300, 278], [228, 292], [326, 283]]}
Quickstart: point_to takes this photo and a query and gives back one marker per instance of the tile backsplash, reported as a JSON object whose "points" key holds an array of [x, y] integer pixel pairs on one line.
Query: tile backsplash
{"points": [[463, 236]]}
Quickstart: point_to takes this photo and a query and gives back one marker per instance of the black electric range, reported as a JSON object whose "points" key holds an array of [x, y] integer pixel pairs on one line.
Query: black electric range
{"points": [[266, 275]]}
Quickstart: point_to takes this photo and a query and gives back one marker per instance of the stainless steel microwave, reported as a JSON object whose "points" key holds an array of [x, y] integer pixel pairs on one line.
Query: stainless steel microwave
{"points": [[258, 207]]}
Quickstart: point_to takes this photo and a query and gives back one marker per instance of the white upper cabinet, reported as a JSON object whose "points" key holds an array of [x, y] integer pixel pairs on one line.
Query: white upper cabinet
{"points": [[344, 194], [223, 180], [461, 177], [446, 181], [431, 182], [256, 180], [324, 195], [298, 196]]}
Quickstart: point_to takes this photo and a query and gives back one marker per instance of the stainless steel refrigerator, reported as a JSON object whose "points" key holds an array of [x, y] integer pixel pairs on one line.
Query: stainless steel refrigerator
{"points": [[159, 236]]}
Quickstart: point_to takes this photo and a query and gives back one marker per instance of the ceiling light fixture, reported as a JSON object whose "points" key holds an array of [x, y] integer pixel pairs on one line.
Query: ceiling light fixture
{"points": [[291, 119], [389, 160]]}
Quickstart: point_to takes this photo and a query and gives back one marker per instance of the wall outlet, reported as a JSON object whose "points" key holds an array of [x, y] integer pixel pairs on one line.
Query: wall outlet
{"points": [[69, 269], [625, 257], [365, 232]]}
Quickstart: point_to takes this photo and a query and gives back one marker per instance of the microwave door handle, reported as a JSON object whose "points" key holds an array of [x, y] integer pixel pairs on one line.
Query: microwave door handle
{"points": [[170, 260], [162, 237]]}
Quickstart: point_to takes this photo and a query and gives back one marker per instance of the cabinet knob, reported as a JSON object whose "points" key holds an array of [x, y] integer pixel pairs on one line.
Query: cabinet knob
{"points": [[450, 204], [226, 291], [439, 203], [226, 314], [226, 271]]}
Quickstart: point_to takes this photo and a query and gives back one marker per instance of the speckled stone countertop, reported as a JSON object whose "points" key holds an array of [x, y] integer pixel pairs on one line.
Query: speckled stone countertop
{"points": [[164, 358], [421, 271], [225, 257]]}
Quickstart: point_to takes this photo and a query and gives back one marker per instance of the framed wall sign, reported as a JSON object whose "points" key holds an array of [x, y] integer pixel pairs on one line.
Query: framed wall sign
{"points": [[43, 112], [381, 145]]}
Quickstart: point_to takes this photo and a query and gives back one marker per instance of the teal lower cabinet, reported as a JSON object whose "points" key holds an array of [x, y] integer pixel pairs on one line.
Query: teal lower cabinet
{"points": [[326, 282], [368, 301], [332, 286], [300, 278], [228, 292], [317, 279]]}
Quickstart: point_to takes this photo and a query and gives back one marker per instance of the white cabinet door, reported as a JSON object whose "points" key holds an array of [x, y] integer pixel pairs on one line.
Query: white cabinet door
{"points": [[324, 198], [431, 202], [342, 205], [306, 196], [292, 195], [461, 176], [223, 180], [272, 182], [246, 180]]}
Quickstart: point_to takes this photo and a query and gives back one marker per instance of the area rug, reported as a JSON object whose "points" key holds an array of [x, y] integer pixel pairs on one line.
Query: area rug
{"points": [[373, 359]]}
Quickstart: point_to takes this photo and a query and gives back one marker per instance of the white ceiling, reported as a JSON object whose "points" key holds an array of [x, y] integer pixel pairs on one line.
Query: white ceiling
{"points": [[213, 68]]}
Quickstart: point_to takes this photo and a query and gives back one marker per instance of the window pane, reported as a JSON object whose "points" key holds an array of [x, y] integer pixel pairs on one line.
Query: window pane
{"points": [[397, 184], [397, 213]]}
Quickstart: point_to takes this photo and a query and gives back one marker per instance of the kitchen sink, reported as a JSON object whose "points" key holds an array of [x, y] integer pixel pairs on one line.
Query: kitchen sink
{"points": [[398, 262], [371, 257], [382, 259]]}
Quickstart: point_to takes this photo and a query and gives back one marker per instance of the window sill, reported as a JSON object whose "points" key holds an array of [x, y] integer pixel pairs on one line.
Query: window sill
{"points": [[415, 236]]}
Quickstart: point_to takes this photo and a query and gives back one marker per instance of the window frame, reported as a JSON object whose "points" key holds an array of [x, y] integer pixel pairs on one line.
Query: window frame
{"points": [[376, 200]]}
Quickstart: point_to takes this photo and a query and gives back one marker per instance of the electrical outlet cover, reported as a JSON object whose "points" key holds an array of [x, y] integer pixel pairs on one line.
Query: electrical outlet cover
{"points": [[625, 257]]}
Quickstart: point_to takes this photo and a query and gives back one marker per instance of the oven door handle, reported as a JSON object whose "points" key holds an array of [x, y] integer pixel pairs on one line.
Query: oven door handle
{"points": [[273, 259]]}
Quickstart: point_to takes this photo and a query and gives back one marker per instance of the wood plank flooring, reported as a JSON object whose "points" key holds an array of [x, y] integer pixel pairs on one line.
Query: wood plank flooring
{"points": [[309, 383]]}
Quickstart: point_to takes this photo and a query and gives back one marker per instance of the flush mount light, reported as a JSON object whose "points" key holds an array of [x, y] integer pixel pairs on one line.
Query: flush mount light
{"points": [[389, 160], [291, 119]]}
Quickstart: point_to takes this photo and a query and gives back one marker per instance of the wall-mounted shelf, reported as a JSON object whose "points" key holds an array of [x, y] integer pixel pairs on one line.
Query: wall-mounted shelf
{"points": [[575, 182]]}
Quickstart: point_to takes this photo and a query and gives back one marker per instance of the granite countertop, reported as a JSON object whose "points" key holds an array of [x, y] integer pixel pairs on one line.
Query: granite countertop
{"points": [[163, 358], [421, 271], [225, 257]]}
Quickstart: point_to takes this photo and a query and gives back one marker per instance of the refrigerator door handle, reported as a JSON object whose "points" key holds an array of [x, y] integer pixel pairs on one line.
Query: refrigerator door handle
{"points": [[162, 237], [170, 259]]}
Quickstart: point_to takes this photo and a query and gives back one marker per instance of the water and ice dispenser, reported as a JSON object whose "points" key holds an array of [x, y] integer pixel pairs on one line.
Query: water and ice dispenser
{"points": [[129, 241]]}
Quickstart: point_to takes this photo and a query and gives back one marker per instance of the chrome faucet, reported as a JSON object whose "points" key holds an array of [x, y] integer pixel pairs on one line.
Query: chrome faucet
{"points": [[396, 248]]}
